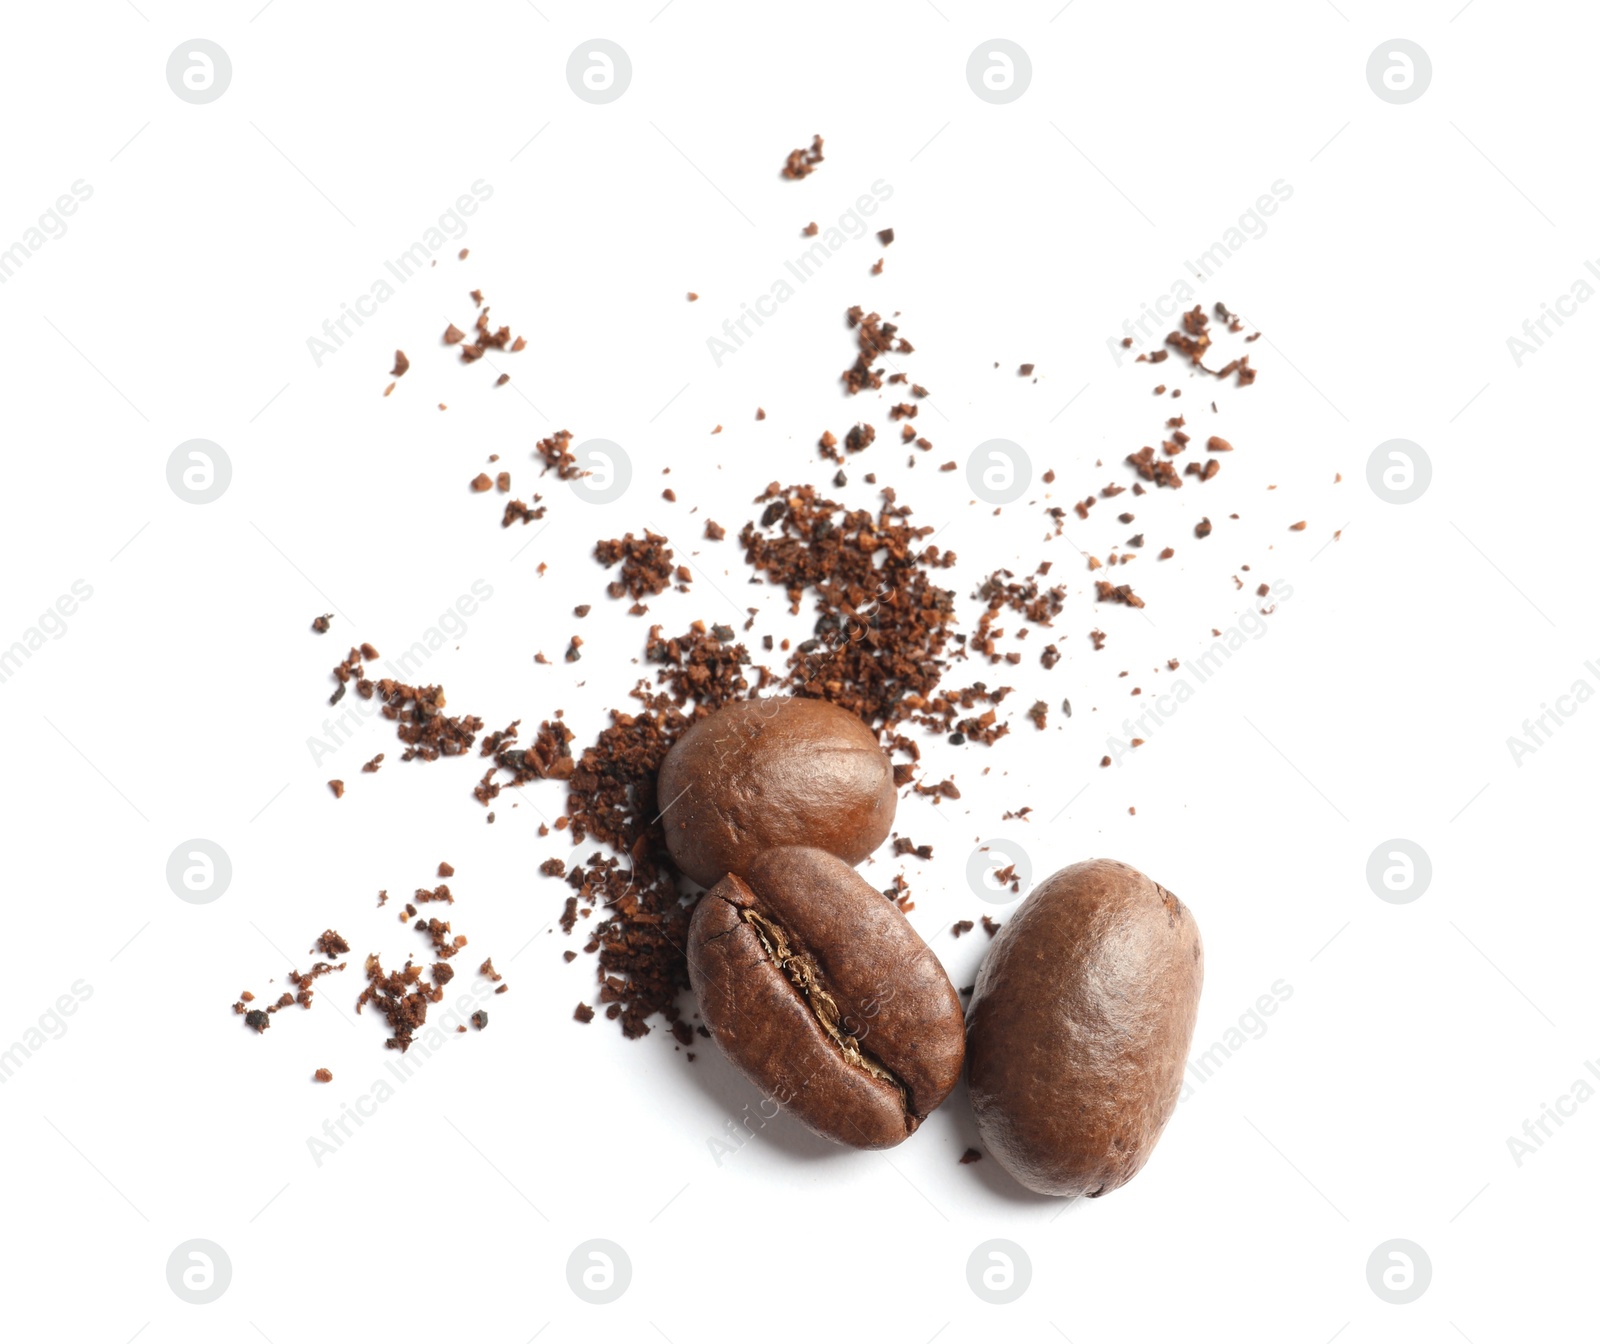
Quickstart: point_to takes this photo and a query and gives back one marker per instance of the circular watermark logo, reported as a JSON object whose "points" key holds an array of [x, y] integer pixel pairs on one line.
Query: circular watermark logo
{"points": [[599, 71], [992, 858], [599, 1271], [999, 471], [1399, 71], [1399, 871], [999, 70], [1399, 471], [199, 471], [609, 468], [1399, 1271], [999, 1271], [199, 71], [199, 1271], [199, 871]]}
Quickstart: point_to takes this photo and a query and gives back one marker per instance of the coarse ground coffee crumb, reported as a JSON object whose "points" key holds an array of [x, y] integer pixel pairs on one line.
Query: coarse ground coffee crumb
{"points": [[323, 1075], [874, 339], [646, 567], [803, 162], [970, 1156]]}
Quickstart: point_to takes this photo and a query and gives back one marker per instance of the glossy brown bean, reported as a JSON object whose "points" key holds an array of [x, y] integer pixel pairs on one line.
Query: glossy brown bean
{"points": [[1079, 1028], [822, 995], [780, 771]]}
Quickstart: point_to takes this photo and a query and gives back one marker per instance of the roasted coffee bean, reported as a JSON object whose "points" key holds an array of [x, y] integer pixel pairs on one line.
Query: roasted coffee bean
{"points": [[825, 998], [782, 771], [1080, 1025]]}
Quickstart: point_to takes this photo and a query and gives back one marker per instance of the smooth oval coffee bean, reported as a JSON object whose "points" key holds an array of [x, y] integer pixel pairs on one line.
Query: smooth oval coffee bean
{"points": [[763, 773], [823, 996], [1079, 1028]]}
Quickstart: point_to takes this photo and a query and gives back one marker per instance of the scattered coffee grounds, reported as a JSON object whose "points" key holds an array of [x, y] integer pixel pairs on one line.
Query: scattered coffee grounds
{"points": [[323, 1075], [1107, 592], [330, 944], [485, 339], [882, 625], [970, 1156], [1203, 528], [337, 785], [803, 162], [960, 927], [556, 453], [583, 1013], [401, 364], [693, 296], [517, 511], [259, 1019], [874, 338], [647, 567], [886, 236], [480, 1019], [1025, 371], [322, 622], [402, 997], [810, 230], [482, 482]]}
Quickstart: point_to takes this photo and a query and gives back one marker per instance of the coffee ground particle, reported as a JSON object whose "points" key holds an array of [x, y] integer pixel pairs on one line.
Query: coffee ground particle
{"points": [[960, 927], [322, 622], [803, 162], [323, 1075], [970, 1156]]}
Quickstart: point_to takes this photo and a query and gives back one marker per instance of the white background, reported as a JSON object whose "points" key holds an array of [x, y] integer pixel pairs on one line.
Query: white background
{"points": [[178, 702]]}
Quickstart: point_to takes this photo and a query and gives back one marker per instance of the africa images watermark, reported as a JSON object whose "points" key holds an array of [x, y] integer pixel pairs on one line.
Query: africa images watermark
{"points": [[1162, 707], [52, 224], [851, 225], [451, 227], [52, 622], [1156, 318], [1539, 730], [51, 1026], [1536, 330], [1537, 1132], [360, 710], [337, 1130], [1251, 1026]]}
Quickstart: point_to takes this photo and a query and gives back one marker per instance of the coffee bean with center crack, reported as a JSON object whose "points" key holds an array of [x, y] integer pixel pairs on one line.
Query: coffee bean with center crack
{"points": [[780, 771], [1080, 1025], [823, 996]]}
